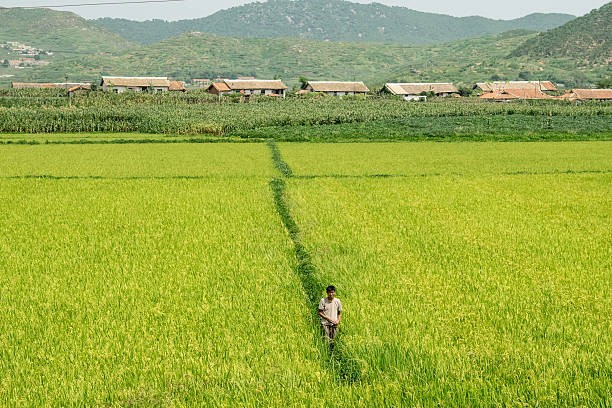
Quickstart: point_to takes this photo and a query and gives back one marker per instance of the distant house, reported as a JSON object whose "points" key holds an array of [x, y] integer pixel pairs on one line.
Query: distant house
{"points": [[335, 88], [414, 91], [248, 87], [136, 84], [499, 86], [79, 89], [219, 88], [515, 94], [40, 85], [588, 94], [178, 86], [201, 82]]}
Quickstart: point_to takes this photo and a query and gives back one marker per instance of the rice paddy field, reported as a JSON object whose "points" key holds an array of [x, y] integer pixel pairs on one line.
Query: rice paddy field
{"points": [[471, 274]]}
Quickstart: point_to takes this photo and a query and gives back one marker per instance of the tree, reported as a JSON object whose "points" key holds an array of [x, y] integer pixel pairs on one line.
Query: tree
{"points": [[465, 91], [605, 83], [303, 82]]}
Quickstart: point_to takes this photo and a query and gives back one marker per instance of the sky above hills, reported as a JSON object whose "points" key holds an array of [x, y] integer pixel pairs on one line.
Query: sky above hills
{"points": [[189, 9]]}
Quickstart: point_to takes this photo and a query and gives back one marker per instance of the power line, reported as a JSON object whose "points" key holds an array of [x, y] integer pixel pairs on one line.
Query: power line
{"points": [[108, 3]]}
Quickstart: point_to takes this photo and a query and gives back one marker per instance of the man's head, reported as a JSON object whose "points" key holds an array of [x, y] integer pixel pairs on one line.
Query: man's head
{"points": [[331, 291]]}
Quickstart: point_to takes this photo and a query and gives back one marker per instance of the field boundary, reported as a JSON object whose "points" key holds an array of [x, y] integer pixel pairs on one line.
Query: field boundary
{"points": [[345, 368], [127, 178], [504, 173], [155, 139]]}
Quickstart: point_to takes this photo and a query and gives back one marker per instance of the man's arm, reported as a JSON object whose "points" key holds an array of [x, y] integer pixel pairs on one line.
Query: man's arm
{"points": [[325, 317], [336, 322]]}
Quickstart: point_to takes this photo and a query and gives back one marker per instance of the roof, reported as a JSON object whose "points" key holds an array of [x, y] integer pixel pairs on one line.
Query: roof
{"points": [[331, 86], [417, 88], [36, 85], [136, 81], [505, 85], [508, 94], [80, 87], [176, 86], [219, 86], [583, 94], [29, 85], [242, 84]]}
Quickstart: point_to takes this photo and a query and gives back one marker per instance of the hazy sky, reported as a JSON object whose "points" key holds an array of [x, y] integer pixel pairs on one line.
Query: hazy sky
{"points": [[188, 9]]}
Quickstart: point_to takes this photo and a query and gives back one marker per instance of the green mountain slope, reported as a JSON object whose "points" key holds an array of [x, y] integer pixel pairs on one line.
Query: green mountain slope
{"points": [[199, 55], [333, 20], [585, 39], [56, 31], [88, 52]]}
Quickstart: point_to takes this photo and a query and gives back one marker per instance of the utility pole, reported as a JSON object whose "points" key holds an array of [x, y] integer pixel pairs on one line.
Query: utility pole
{"points": [[66, 87]]}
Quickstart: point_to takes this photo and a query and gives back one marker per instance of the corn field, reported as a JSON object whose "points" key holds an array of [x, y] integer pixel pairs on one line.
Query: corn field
{"points": [[200, 113]]}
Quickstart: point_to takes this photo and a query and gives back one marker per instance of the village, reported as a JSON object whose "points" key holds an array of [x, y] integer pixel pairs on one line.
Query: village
{"points": [[23, 55], [495, 91]]}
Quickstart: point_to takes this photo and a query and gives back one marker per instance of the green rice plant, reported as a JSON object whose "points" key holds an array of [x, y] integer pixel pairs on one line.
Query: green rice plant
{"points": [[136, 161], [149, 292], [466, 289], [472, 274], [462, 159]]}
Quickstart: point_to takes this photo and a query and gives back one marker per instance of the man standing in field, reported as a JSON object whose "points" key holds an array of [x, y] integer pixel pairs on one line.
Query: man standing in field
{"points": [[329, 310]]}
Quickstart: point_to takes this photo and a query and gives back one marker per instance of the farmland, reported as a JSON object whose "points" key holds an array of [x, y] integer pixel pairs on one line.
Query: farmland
{"points": [[41, 117], [467, 270], [183, 274]]}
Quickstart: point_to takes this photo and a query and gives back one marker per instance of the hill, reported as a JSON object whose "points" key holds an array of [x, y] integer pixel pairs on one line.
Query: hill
{"points": [[82, 52], [200, 55], [57, 31], [331, 20], [585, 39], [37, 43]]}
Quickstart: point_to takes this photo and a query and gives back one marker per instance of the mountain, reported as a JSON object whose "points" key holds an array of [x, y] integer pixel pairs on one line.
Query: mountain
{"points": [[84, 52], [56, 31], [201, 55], [331, 20], [585, 39]]}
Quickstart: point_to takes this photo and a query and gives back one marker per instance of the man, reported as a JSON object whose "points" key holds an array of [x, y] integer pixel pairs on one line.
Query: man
{"points": [[329, 310]]}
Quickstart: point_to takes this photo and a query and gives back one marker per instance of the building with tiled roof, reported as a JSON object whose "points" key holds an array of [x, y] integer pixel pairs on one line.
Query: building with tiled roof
{"points": [[137, 84], [515, 94], [414, 90], [336, 88], [588, 94], [248, 87], [496, 86]]}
